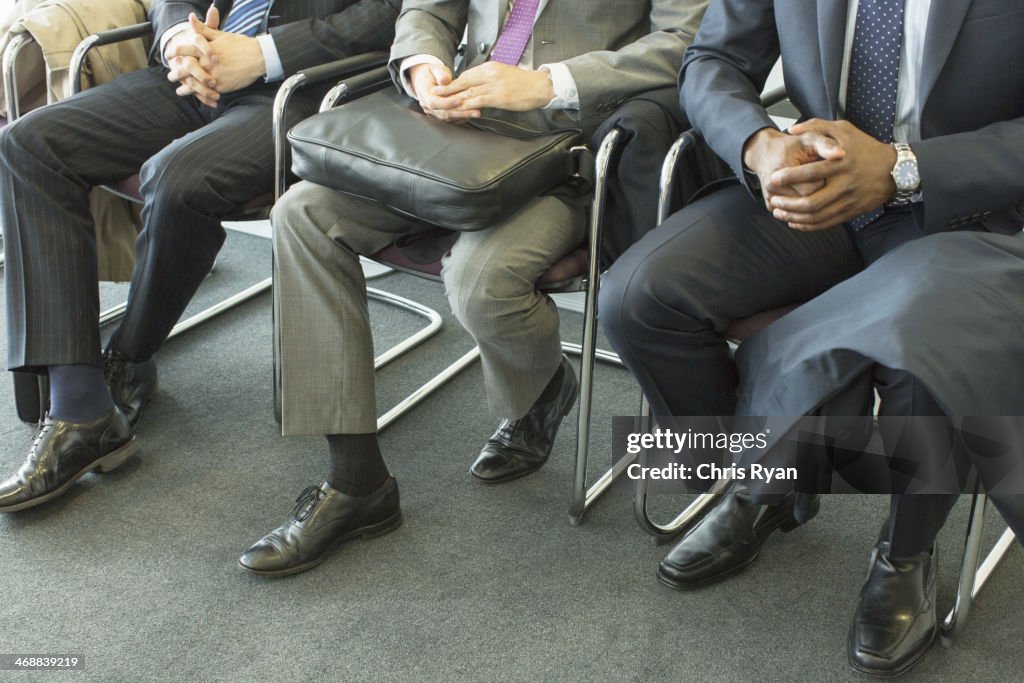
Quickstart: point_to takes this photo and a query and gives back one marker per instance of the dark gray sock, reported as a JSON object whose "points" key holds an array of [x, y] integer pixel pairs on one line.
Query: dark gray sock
{"points": [[357, 466], [554, 386], [78, 393]]}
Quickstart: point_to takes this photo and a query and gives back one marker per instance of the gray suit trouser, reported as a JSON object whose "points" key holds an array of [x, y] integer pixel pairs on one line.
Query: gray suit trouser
{"points": [[325, 349]]}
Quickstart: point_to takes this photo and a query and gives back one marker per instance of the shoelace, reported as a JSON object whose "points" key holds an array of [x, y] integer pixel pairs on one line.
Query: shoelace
{"points": [[508, 429], [113, 365], [306, 501]]}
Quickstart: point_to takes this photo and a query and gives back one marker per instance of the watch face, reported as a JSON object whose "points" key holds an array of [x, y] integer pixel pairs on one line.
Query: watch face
{"points": [[906, 176]]}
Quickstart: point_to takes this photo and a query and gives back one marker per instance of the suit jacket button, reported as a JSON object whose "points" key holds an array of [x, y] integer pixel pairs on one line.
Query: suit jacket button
{"points": [[483, 48]]}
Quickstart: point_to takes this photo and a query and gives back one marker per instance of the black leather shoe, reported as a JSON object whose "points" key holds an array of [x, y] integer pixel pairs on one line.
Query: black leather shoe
{"points": [[131, 384], [727, 540], [323, 519], [62, 452], [895, 622], [520, 447]]}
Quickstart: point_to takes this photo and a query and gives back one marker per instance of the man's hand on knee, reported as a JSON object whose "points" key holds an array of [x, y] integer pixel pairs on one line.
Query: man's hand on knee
{"points": [[189, 66]]}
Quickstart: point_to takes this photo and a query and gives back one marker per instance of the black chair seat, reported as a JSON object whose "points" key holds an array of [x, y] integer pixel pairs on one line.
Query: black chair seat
{"points": [[561, 275]]}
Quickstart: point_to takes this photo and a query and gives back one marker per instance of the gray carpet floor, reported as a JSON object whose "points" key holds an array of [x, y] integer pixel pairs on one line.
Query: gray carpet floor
{"points": [[136, 570]]}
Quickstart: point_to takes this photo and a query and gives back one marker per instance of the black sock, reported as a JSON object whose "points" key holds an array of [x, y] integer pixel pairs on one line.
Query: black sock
{"points": [[357, 467], [554, 386], [78, 393]]}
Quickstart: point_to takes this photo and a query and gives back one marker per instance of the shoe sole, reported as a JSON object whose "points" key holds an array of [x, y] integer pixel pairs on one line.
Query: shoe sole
{"points": [[524, 473], [365, 533], [785, 526], [108, 463], [899, 671]]}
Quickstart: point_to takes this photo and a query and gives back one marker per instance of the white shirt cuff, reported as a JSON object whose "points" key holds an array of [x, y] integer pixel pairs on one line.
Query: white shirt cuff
{"points": [[566, 94], [410, 62], [168, 34], [271, 59]]}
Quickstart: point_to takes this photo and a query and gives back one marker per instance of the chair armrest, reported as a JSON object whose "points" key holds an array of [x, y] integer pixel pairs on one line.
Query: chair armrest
{"points": [[361, 84], [115, 35], [317, 74], [344, 67]]}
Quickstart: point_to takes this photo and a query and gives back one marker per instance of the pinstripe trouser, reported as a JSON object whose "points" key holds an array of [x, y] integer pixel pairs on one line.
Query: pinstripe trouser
{"points": [[197, 165]]}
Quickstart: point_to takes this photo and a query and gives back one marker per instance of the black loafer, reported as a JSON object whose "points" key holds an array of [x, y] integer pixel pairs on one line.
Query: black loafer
{"points": [[727, 540], [895, 622], [62, 453], [323, 519], [521, 447], [131, 384]]}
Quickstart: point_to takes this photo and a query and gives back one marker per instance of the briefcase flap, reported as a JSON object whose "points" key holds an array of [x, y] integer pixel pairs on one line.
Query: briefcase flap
{"points": [[463, 177]]}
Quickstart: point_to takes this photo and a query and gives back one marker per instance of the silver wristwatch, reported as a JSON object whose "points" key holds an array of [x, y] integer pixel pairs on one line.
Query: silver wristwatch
{"points": [[905, 174]]}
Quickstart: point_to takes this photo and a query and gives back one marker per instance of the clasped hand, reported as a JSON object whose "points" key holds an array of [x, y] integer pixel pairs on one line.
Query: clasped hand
{"points": [[208, 63], [490, 85], [821, 173]]}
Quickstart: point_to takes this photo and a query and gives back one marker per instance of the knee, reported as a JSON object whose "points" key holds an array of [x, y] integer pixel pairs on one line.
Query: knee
{"points": [[638, 298], [169, 182], [22, 142], [480, 289], [291, 214]]}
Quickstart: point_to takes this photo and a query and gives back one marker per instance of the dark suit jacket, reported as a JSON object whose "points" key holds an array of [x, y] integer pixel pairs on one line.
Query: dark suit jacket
{"points": [[972, 153], [306, 32]]}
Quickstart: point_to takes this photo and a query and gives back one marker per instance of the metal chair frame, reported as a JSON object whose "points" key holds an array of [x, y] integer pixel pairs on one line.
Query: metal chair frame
{"points": [[583, 495], [288, 88], [10, 85], [972, 577]]}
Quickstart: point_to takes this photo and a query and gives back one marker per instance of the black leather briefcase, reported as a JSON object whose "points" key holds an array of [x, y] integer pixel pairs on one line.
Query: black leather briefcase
{"points": [[462, 177]]}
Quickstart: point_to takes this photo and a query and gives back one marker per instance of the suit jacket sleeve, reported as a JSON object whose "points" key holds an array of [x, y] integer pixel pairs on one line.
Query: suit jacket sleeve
{"points": [[167, 13], [967, 176], [607, 78], [428, 27], [724, 72], [363, 26]]}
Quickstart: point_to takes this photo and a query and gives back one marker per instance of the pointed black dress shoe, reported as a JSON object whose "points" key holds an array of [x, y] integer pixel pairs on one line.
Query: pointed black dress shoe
{"points": [[131, 384], [896, 620], [727, 540], [61, 453], [520, 447], [323, 519]]}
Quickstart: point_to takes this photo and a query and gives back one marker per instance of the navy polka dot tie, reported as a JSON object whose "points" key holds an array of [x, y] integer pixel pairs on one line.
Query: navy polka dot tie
{"points": [[874, 75]]}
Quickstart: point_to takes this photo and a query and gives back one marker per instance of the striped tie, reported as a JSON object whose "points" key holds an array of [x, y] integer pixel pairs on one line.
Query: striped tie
{"points": [[246, 16]]}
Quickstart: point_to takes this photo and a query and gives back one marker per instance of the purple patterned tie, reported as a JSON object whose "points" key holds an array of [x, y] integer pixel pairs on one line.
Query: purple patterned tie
{"points": [[516, 34]]}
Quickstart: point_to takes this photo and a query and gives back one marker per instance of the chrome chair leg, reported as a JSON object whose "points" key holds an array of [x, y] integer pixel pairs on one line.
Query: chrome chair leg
{"points": [[582, 496], [434, 322], [664, 533], [972, 578], [418, 396]]}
